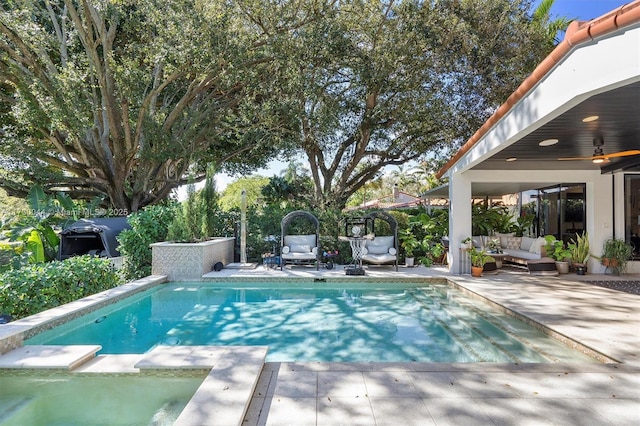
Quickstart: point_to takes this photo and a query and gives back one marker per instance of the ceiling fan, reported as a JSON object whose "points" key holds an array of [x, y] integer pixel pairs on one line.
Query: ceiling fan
{"points": [[599, 156]]}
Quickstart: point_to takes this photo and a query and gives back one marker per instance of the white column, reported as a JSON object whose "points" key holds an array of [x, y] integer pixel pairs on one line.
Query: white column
{"points": [[459, 220]]}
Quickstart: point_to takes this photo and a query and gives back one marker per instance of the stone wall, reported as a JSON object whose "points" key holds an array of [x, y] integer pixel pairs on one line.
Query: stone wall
{"points": [[190, 261]]}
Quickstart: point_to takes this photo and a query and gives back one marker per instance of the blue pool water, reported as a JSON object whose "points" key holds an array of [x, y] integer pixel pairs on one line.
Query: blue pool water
{"points": [[331, 321]]}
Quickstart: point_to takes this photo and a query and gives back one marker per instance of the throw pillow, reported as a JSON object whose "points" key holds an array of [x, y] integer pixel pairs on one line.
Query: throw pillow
{"points": [[377, 249], [503, 238], [513, 243], [301, 248], [536, 246], [526, 243]]}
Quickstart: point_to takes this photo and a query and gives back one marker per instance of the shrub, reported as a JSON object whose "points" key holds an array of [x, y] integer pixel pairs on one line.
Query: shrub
{"points": [[38, 287], [147, 226]]}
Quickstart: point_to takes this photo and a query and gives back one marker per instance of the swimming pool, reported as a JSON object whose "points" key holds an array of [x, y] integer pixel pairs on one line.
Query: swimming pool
{"points": [[330, 321], [94, 399]]}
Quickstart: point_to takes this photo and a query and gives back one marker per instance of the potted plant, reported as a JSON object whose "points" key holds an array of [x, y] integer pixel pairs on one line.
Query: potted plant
{"points": [[478, 258], [493, 244], [615, 255], [556, 250], [579, 249], [409, 243], [467, 243]]}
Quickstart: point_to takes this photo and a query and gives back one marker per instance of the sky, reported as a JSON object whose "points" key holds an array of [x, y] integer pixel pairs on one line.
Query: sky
{"points": [[583, 10]]}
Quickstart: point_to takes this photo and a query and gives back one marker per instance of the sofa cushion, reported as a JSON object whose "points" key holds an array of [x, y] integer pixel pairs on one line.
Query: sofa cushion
{"points": [[526, 242], [522, 254], [536, 246], [503, 237], [478, 241], [377, 249], [379, 245], [293, 240], [513, 243]]}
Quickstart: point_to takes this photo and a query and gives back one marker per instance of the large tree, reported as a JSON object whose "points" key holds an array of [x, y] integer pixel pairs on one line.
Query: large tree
{"points": [[378, 83], [128, 99]]}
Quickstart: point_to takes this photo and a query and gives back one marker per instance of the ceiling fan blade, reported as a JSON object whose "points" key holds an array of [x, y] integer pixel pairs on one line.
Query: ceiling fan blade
{"points": [[577, 158], [604, 156], [622, 153]]}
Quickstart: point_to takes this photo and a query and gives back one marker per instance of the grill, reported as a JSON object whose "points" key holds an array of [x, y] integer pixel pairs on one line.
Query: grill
{"points": [[92, 236]]}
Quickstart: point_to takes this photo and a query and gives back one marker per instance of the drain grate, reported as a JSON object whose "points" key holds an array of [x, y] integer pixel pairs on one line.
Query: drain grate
{"points": [[632, 287]]}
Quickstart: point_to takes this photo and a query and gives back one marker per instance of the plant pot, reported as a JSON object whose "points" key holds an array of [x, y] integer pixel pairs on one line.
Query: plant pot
{"points": [[476, 271], [562, 267], [609, 262], [409, 261], [581, 269]]}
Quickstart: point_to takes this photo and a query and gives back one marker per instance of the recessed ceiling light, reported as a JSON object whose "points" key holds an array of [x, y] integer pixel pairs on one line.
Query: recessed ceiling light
{"points": [[590, 118], [548, 142], [511, 159]]}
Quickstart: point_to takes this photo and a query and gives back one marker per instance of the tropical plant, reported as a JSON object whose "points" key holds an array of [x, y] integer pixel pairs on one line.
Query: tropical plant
{"points": [[485, 219], [523, 224], [615, 254], [579, 249], [556, 249], [479, 257], [408, 241]]}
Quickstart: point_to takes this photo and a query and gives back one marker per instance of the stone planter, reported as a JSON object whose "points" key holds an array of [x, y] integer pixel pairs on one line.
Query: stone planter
{"points": [[562, 267], [190, 261]]}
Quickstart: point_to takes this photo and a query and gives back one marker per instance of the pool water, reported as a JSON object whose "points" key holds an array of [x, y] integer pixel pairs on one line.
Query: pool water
{"points": [[332, 322], [97, 399]]}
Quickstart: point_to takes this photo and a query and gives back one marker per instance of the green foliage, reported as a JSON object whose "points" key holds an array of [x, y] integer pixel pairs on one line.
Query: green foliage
{"points": [[556, 249], [253, 185], [479, 257], [35, 288], [579, 248], [487, 219], [185, 84], [408, 241], [209, 204], [616, 254], [148, 226], [379, 77]]}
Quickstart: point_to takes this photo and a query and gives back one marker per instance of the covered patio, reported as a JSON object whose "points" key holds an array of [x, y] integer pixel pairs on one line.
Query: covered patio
{"points": [[574, 121]]}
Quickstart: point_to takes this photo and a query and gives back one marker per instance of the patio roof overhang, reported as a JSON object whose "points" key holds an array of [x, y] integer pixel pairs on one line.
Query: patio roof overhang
{"points": [[595, 71]]}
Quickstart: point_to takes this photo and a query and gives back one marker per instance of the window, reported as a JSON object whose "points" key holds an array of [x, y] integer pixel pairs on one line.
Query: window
{"points": [[632, 212], [559, 210]]}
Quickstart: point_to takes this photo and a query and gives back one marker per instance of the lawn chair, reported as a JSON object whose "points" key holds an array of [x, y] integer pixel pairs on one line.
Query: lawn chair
{"points": [[300, 248], [382, 250]]}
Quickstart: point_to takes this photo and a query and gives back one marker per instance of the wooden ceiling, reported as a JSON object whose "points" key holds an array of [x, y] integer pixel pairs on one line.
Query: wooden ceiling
{"points": [[618, 126]]}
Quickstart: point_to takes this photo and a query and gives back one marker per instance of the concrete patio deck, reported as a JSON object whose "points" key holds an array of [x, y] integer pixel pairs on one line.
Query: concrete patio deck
{"points": [[604, 320]]}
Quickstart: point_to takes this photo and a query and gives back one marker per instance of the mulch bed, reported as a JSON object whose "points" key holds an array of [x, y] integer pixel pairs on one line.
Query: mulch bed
{"points": [[632, 287]]}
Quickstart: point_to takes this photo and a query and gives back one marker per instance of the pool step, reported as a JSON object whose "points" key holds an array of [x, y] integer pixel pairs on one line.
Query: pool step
{"points": [[65, 357], [12, 410], [225, 393]]}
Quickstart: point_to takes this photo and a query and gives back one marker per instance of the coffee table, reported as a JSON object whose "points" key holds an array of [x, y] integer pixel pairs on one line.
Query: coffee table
{"points": [[499, 257]]}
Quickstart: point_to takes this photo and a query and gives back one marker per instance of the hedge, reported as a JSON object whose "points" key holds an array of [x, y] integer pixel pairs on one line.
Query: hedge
{"points": [[38, 287]]}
